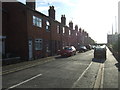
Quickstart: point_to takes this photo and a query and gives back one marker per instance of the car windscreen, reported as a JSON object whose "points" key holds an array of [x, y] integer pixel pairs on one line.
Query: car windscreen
{"points": [[82, 46], [67, 48]]}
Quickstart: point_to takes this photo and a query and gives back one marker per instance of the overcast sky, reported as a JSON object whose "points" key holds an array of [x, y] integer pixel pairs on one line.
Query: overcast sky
{"points": [[94, 16]]}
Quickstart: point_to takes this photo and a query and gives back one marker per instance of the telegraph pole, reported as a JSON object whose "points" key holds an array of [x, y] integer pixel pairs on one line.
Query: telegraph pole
{"points": [[112, 35], [115, 25]]}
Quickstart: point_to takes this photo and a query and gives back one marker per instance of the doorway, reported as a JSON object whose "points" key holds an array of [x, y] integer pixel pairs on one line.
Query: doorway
{"points": [[30, 50]]}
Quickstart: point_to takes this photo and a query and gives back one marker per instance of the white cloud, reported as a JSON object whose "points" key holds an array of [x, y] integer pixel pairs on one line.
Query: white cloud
{"points": [[95, 16], [66, 2], [42, 9]]}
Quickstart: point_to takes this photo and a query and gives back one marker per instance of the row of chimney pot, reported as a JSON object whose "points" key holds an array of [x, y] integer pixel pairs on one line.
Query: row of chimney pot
{"points": [[51, 11]]}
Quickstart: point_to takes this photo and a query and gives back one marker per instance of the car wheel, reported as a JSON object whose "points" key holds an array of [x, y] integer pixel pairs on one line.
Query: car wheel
{"points": [[94, 56], [75, 53], [104, 56], [61, 55], [80, 50], [72, 54]]}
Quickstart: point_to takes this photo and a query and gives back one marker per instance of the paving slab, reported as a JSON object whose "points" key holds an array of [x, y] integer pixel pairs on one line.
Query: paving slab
{"points": [[110, 79]]}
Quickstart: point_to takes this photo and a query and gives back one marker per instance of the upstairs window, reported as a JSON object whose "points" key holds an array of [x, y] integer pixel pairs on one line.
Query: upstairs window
{"points": [[76, 34], [34, 20], [38, 44], [63, 30], [69, 32], [37, 21], [58, 29], [47, 26]]}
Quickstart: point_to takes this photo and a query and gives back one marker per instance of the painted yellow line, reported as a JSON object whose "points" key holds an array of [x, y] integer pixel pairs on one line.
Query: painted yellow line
{"points": [[99, 80], [102, 77]]}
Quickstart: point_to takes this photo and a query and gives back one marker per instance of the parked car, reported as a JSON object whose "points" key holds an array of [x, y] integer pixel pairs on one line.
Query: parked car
{"points": [[93, 46], [100, 52], [88, 47], [68, 51], [82, 49]]}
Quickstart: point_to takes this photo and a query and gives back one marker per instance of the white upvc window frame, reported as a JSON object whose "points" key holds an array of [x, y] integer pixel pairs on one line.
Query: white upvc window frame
{"points": [[37, 21], [38, 44], [63, 29], [58, 29], [47, 26], [69, 32]]}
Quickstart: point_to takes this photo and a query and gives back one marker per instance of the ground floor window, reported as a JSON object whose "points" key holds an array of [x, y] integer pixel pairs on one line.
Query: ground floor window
{"points": [[48, 46], [38, 44], [2, 45]]}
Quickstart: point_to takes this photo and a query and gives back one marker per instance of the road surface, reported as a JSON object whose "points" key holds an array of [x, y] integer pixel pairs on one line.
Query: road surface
{"points": [[78, 71]]}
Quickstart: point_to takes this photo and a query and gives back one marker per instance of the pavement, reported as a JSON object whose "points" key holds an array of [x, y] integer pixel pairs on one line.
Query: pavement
{"points": [[111, 72], [24, 65]]}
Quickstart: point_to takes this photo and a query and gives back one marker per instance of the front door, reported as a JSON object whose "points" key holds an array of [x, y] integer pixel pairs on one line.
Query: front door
{"points": [[3, 47], [30, 50]]}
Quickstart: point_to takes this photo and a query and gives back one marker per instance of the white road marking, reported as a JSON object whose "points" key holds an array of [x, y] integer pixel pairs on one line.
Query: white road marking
{"points": [[75, 83], [23, 82]]}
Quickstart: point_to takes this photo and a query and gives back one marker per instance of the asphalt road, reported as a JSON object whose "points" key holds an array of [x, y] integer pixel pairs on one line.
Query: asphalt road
{"points": [[79, 71]]}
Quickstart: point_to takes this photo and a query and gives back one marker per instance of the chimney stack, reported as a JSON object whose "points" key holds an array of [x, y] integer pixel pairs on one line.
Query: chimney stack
{"points": [[31, 4], [71, 24], [83, 32], [63, 19], [76, 27], [80, 30], [51, 12]]}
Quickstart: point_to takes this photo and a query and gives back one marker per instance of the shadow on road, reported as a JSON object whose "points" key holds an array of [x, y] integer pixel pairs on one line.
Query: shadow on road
{"points": [[99, 60], [59, 57], [118, 66]]}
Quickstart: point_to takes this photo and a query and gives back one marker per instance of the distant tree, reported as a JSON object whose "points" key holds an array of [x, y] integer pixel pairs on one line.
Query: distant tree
{"points": [[115, 46], [119, 42]]}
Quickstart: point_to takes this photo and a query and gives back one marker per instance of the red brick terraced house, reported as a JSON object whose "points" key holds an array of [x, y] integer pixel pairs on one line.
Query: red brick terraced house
{"points": [[29, 34]]}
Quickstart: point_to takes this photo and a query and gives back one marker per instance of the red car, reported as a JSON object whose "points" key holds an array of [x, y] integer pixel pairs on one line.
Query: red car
{"points": [[68, 51]]}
